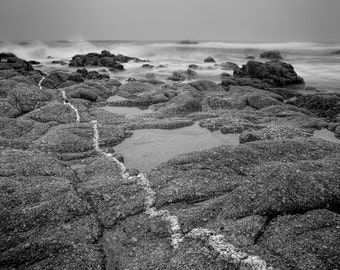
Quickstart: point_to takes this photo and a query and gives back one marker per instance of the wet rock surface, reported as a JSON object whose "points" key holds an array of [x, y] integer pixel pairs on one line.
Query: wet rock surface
{"points": [[68, 202]]}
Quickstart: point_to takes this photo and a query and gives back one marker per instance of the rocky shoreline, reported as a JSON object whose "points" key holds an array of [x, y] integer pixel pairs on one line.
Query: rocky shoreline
{"points": [[69, 202]]}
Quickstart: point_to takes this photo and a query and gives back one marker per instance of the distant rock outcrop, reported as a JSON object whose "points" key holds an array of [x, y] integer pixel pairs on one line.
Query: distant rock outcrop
{"points": [[271, 55], [209, 59], [10, 61], [103, 59], [274, 73]]}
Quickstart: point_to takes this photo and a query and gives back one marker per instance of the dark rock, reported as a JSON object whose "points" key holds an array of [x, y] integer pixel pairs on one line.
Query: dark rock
{"points": [[76, 77], [147, 66], [335, 52], [337, 131], [95, 75], [229, 66], [33, 62], [83, 72], [275, 73], [59, 62], [188, 42], [192, 73], [105, 59], [9, 61], [209, 59], [225, 76], [54, 79], [193, 66], [316, 233], [323, 105], [271, 55], [177, 76]]}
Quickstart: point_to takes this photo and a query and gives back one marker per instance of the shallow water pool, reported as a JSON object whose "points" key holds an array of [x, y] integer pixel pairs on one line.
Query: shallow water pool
{"points": [[147, 148]]}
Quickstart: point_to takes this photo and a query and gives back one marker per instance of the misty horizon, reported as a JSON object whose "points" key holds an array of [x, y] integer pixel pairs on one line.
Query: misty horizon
{"points": [[151, 20]]}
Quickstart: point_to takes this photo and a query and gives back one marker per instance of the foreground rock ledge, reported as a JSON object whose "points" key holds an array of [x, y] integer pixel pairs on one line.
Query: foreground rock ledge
{"points": [[274, 203]]}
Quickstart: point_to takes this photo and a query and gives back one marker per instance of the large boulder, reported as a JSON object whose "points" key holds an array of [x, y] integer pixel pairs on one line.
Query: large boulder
{"points": [[90, 90], [58, 112], [182, 104], [205, 86], [104, 59], [271, 55], [274, 73], [209, 59], [9, 61], [72, 141], [28, 97], [134, 88]]}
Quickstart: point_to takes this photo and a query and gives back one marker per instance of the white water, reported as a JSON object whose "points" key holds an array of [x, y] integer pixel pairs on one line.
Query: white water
{"points": [[311, 60]]}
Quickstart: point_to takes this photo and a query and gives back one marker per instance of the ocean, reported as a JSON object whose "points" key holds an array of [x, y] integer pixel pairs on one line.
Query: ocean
{"points": [[312, 61]]}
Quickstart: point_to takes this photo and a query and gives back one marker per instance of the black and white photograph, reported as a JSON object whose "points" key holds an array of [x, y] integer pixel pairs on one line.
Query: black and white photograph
{"points": [[170, 135]]}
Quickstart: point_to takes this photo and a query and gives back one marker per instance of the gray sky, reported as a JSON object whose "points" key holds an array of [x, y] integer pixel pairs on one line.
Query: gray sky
{"points": [[233, 20]]}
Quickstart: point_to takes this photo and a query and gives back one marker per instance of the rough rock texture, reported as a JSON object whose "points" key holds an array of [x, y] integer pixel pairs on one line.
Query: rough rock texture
{"points": [[59, 113], [9, 61], [181, 105], [71, 141], [20, 133], [274, 73], [274, 133], [44, 223], [227, 203], [262, 101], [26, 98], [323, 105], [90, 90]]}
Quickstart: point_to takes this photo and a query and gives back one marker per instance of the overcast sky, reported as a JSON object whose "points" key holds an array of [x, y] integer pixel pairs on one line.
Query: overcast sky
{"points": [[232, 20]]}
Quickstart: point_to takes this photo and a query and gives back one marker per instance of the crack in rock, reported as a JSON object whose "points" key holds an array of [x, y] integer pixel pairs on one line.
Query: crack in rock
{"points": [[175, 228], [72, 107], [230, 252]]}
